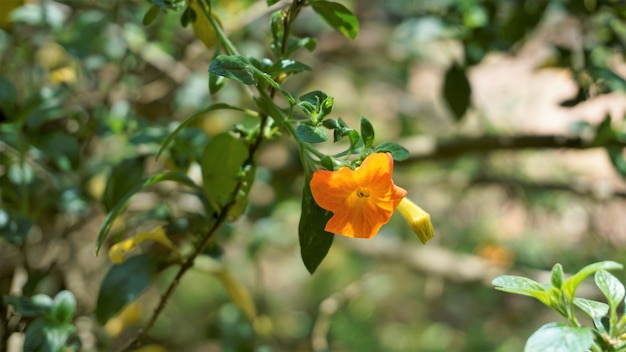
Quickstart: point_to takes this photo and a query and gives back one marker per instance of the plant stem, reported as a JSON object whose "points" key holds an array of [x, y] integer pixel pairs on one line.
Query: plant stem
{"points": [[226, 43], [223, 214]]}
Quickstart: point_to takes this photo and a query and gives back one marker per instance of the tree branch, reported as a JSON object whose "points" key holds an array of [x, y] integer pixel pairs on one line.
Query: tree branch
{"points": [[427, 148], [581, 190]]}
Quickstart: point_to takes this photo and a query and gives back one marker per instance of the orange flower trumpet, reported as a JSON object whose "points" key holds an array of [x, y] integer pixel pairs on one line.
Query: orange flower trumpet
{"points": [[363, 200]]}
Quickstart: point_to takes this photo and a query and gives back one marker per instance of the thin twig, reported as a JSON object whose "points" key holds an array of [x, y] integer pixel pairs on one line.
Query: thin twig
{"points": [[328, 307]]}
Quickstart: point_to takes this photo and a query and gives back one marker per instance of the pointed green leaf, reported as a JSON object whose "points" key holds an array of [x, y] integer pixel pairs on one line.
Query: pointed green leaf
{"points": [[122, 203], [215, 83], [616, 155], [570, 285], [353, 135], [124, 283], [63, 307], [457, 90], [235, 67], [556, 276], [522, 286], [604, 132], [29, 306], [314, 98], [293, 44], [188, 16], [556, 337], [331, 124], [314, 240], [124, 176], [43, 335], [367, 133], [310, 134], [594, 309], [398, 153], [151, 15], [611, 287], [222, 166], [338, 17], [288, 66], [316, 104]]}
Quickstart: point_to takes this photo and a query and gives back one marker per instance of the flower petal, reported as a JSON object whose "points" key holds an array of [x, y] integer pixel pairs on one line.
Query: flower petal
{"points": [[330, 189]]}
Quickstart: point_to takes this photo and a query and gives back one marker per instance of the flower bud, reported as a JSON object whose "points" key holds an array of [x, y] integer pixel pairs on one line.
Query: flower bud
{"points": [[418, 220]]}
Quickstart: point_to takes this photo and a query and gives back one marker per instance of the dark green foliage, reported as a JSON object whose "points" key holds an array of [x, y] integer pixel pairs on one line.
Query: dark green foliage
{"points": [[314, 240], [338, 17], [457, 90], [124, 283]]}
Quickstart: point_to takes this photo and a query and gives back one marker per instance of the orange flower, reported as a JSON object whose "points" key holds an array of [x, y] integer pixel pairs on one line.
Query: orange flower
{"points": [[362, 200]]}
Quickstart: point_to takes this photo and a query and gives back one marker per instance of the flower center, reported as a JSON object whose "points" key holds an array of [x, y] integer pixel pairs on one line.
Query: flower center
{"points": [[362, 193]]}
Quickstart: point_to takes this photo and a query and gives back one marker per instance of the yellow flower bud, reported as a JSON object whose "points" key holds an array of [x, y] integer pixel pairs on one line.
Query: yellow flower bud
{"points": [[418, 220]]}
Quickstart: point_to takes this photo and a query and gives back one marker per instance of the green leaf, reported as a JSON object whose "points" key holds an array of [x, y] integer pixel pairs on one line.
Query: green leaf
{"points": [[188, 16], [604, 132], [63, 307], [617, 159], [326, 107], [594, 309], [272, 2], [570, 285], [124, 176], [367, 133], [457, 90], [293, 44], [30, 306], [328, 162], [556, 276], [235, 67], [311, 134], [611, 287], [122, 203], [331, 124], [43, 335], [314, 240], [222, 166], [124, 283], [354, 138], [557, 337], [191, 121], [215, 83], [8, 97], [398, 153], [315, 105], [522, 286], [288, 66], [151, 15], [338, 17]]}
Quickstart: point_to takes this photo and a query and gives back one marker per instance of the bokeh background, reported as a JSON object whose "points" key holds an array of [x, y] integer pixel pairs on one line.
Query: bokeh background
{"points": [[99, 92]]}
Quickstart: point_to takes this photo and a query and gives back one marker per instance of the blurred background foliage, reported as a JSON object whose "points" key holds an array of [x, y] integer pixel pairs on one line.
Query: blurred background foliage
{"points": [[513, 112]]}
